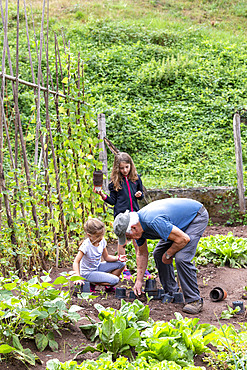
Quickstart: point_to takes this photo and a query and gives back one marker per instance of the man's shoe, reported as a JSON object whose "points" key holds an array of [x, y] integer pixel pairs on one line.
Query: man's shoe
{"points": [[193, 307]]}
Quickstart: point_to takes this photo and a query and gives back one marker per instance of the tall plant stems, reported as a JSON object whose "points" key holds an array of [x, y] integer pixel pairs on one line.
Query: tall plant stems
{"points": [[59, 193], [16, 125], [58, 117], [2, 179], [75, 155], [48, 127], [38, 124], [27, 172], [13, 163], [28, 44]]}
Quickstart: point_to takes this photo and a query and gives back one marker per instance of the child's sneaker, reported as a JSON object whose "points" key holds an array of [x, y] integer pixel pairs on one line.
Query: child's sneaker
{"points": [[147, 275], [110, 289], [92, 288], [126, 274]]}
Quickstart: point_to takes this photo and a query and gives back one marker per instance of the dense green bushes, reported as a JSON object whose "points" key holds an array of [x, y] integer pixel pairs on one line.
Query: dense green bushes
{"points": [[169, 100]]}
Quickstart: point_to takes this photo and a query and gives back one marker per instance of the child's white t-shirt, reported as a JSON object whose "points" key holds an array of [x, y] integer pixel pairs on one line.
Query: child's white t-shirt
{"points": [[91, 255]]}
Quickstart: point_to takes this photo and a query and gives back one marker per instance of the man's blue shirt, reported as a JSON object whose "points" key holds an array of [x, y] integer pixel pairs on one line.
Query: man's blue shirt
{"points": [[158, 218]]}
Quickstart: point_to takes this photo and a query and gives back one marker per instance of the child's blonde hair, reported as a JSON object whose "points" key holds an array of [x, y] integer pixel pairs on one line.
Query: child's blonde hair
{"points": [[94, 226], [116, 176]]}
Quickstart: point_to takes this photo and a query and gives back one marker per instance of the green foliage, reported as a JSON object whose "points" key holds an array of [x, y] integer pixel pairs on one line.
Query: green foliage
{"points": [[62, 201], [178, 340], [169, 104], [120, 364], [131, 263], [118, 331], [222, 250], [231, 348], [33, 309], [230, 312]]}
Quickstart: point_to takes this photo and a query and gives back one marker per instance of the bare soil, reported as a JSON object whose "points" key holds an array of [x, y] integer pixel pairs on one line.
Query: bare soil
{"points": [[231, 280]]}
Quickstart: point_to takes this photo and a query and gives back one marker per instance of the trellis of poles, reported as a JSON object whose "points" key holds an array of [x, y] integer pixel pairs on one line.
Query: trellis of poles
{"points": [[46, 146]]}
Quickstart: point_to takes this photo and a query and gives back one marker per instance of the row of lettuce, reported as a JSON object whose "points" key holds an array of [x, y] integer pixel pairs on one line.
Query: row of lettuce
{"points": [[129, 339]]}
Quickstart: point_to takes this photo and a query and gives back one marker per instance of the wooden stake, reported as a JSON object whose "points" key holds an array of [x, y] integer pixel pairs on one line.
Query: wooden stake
{"points": [[239, 162], [103, 153]]}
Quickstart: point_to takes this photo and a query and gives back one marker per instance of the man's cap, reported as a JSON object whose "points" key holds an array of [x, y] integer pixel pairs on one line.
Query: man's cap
{"points": [[123, 223], [120, 225]]}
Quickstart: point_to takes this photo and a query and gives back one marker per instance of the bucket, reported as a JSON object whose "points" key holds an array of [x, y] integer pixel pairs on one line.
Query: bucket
{"points": [[217, 294]]}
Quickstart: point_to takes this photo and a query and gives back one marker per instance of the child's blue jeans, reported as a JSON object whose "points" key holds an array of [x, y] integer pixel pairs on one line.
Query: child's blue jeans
{"points": [[103, 274]]}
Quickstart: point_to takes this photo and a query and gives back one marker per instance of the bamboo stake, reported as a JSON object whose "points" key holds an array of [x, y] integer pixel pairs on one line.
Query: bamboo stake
{"points": [[239, 162], [8, 137], [1, 161], [16, 126], [58, 117], [38, 124], [28, 179], [48, 126], [75, 156], [33, 85], [28, 43], [60, 65], [2, 180], [78, 87]]}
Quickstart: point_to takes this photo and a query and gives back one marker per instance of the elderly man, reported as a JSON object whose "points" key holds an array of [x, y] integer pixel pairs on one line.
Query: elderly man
{"points": [[179, 224]]}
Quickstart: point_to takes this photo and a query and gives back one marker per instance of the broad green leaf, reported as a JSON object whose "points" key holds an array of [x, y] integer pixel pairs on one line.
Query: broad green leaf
{"points": [[5, 348], [41, 341], [131, 336], [17, 343], [60, 280]]}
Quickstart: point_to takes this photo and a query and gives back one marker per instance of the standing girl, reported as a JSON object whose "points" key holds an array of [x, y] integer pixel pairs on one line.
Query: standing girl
{"points": [[88, 263], [125, 189]]}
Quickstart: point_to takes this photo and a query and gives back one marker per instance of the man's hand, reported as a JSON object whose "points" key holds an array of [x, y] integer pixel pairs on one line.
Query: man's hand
{"points": [[166, 261], [138, 288]]}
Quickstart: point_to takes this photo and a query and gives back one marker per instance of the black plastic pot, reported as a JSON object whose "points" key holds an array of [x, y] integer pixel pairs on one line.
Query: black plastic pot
{"points": [[150, 286], [85, 288], [120, 293], [167, 298], [132, 295], [238, 304], [217, 294], [158, 294], [178, 297]]}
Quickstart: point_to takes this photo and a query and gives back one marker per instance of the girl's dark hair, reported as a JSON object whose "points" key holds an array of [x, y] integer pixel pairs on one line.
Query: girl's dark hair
{"points": [[116, 176], [94, 226]]}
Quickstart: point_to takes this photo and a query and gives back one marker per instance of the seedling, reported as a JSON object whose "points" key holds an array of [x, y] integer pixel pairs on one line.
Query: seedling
{"points": [[230, 312]]}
